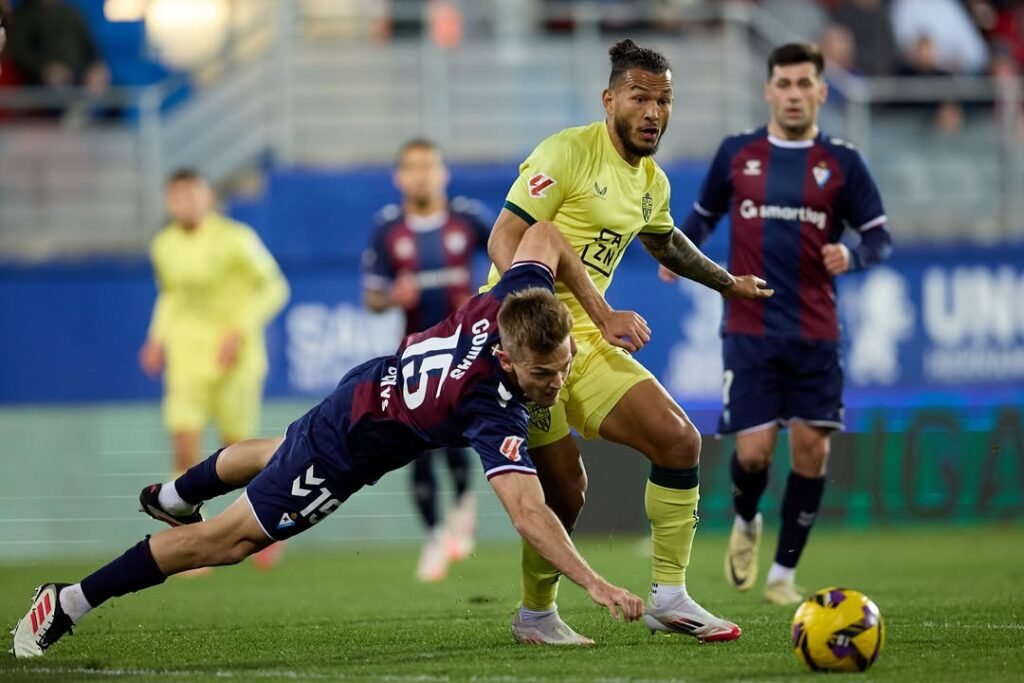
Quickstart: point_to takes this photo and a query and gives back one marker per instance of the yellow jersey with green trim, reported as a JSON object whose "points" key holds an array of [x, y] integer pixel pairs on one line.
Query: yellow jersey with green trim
{"points": [[577, 180], [214, 279]]}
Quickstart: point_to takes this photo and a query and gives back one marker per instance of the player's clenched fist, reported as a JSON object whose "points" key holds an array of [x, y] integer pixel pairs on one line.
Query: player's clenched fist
{"points": [[748, 287], [619, 601], [836, 258], [625, 329]]}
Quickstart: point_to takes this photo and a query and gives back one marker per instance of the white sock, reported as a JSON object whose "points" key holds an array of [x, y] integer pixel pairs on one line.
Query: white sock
{"points": [[662, 593], [780, 573], [73, 601], [172, 502], [533, 615]]}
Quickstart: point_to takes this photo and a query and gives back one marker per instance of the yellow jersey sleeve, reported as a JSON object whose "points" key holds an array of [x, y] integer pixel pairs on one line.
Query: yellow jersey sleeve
{"points": [[270, 289], [547, 179]]}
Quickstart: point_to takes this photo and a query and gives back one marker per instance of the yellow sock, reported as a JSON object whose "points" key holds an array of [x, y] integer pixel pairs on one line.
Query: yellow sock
{"points": [[540, 580], [673, 515]]}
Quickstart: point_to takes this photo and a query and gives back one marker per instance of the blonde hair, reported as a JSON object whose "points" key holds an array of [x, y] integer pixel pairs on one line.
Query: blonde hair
{"points": [[533, 319]]}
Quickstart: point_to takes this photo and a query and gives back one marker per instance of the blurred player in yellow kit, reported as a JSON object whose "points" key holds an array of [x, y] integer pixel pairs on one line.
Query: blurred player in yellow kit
{"points": [[217, 288]]}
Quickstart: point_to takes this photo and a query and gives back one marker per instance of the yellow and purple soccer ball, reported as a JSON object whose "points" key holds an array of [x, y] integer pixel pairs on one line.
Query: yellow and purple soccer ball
{"points": [[838, 629]]}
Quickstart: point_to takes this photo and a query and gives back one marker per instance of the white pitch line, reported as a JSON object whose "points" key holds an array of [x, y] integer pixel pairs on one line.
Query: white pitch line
{"points": [[133, 474], [68, 497], [300, 676], [50, 542]]}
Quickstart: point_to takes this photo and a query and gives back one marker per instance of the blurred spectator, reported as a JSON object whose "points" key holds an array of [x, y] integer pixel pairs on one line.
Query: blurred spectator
{"points": [[1009, 109], [922, 61], [871, 29], [51, 45], [3, 25], [1008, 31], [838, 45], [956, 41]]}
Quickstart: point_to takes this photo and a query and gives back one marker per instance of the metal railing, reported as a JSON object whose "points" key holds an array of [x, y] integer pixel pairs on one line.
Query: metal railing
{"points": [[322, 88]]}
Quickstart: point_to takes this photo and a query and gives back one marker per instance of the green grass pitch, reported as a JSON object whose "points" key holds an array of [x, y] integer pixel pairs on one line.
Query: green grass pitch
{"points": [[951, 599]]}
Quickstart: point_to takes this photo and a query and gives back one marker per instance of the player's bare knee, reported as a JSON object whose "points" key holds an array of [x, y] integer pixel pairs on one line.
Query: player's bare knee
{"points": [[567, 500], [754, 461], [811, 465], [680, 447]]}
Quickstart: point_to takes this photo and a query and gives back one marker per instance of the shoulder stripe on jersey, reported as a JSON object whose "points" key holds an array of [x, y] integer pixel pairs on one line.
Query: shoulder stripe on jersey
{"points": [[702, 211], [505, 469], [534, 263], [873, 223], [530, 220]]}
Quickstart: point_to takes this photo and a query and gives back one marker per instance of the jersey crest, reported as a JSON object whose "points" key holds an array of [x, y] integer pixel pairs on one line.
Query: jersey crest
{"points": [[821, 173]]}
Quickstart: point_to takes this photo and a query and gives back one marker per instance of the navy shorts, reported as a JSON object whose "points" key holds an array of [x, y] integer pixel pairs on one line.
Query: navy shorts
{"points": [[307, 478], [772, 380]]}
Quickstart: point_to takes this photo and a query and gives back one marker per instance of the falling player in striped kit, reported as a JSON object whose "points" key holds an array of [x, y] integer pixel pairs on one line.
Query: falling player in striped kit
{"points": [[465, 381], [789, 191]]}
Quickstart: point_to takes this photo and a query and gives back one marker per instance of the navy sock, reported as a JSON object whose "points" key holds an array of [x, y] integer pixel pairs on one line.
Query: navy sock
{"points": [[747, 488], [134, 570], [458, 463], [800, 504], [201, 483], [424, 488]]}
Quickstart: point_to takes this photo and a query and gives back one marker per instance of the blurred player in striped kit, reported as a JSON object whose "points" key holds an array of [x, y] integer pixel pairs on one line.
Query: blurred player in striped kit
{"points": [[420, 260], [218, 287]]}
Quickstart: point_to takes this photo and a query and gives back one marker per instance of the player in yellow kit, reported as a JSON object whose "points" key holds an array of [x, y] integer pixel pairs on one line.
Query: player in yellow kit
{"points": [[600, 185], [218, 287]]}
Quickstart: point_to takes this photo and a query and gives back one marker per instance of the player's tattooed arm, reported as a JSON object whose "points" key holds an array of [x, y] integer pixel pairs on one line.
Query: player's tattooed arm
{"points": [[676, 252]]}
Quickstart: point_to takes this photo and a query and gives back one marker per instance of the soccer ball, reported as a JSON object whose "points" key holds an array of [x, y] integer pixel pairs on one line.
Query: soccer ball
{"points": [[838, 629]]}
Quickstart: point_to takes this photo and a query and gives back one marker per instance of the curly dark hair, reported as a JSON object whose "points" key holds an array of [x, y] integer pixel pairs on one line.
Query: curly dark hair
{"points": [[626, 54]]}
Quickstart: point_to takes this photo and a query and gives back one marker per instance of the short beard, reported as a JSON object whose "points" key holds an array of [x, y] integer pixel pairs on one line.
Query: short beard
{"points": [[797, 131], [623, 131]]}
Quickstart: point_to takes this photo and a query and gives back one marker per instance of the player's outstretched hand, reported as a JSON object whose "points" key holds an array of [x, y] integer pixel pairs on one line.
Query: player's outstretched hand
{"points": [[748, 287], [666, 275], [626, 329], [619, 601]]}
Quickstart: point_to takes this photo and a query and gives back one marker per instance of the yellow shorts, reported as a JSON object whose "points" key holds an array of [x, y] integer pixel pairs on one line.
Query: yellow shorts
{"points": [[233, 401], [601, 375]]}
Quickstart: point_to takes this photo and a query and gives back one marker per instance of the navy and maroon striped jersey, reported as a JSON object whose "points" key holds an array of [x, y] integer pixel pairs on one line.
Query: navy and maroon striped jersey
{"points": [[438, 249], [444, 387], [785, 200]]}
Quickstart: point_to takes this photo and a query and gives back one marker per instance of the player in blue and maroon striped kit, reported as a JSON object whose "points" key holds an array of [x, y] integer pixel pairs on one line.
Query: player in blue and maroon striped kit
{"points": [[462, 382], [789, 191], [420, 259]]}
